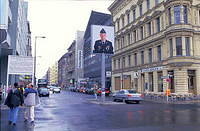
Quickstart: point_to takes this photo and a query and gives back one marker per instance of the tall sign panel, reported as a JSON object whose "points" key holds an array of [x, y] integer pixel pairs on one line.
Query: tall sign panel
{"points": [[4, 5]]}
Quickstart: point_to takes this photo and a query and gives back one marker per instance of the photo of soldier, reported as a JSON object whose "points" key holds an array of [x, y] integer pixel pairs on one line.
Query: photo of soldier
{"points": [[103, 45]]}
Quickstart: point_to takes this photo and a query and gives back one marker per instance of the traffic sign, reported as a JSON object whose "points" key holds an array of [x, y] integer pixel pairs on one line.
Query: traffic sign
{"points": [[164, 77]]}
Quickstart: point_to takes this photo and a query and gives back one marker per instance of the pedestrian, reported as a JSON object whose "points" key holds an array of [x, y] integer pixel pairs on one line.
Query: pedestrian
{"points": [[30, 101], [13, 101], [95, 91]]}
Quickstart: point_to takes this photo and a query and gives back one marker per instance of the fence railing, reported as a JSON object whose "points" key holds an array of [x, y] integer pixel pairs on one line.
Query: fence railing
{"points": [[173, 97]]}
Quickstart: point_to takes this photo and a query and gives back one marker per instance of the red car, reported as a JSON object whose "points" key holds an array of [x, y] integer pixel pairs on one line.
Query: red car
{"points": [[107, 91]]}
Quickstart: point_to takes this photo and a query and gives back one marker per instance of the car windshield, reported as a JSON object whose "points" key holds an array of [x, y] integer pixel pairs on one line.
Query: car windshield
{"points": [[132, 91], [44, 89]]}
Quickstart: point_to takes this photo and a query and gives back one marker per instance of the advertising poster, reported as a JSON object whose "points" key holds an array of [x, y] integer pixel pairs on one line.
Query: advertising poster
{"points": [[102, 39]]}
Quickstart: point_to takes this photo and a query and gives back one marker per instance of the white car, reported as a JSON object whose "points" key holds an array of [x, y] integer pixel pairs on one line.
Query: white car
{"points": [[56, 89], [128, 96]]}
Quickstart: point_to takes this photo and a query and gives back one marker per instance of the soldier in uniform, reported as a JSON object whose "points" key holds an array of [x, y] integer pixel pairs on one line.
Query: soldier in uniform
{"points": [[103, 45]]}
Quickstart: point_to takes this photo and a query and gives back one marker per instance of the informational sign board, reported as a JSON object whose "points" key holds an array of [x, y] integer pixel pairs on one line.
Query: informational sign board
{"points": [[20, 65], [135, 74], [102, 39], [108, 74], [4, 8]]}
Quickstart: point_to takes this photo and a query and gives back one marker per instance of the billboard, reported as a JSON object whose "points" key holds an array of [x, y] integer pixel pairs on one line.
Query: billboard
{"points": [[4, 5], [20, 65], [102, 38]]}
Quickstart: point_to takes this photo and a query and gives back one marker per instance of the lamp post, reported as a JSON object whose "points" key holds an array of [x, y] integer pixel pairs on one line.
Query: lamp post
{"points": [[34, 77]]}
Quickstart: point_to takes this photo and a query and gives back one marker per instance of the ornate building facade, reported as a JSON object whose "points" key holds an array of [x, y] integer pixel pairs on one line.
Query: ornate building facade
{"points": [[156, 45]]}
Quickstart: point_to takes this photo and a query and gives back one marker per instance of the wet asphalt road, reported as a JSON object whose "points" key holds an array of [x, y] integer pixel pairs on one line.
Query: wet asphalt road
{"points": [[69, 111]]}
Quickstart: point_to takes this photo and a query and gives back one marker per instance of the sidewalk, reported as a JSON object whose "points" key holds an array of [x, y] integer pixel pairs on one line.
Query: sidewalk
{"points": [[109, 101], [20, 125]]}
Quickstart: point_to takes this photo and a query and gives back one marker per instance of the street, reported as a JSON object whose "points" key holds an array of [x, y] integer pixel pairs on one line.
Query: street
{"points": [[71, 111]]}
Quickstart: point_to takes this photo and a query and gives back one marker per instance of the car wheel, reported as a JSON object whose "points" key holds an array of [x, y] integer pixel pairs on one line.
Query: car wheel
{"points": [[127, 102], [137, 102]]}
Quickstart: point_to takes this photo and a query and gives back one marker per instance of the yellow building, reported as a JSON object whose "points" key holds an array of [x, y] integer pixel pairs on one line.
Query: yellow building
{"points": [[53, 74], [157, 45]]}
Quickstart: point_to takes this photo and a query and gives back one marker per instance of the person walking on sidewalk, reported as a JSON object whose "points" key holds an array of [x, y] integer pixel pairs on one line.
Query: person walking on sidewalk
{"points": [[13, 101], [30, 101]]}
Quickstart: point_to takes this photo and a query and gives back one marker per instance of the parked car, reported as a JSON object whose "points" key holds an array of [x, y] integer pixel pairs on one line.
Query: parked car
{"points": [[107, 91], [43, 92], [72, 88], [56, 89], [128, 96], [89, 90]]}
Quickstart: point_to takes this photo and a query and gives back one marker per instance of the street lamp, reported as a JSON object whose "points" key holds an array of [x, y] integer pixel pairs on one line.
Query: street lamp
{"points": [[34, 77]]}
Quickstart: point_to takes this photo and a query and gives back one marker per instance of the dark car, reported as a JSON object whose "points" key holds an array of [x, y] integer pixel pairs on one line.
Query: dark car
{"points": [[43, 92]]}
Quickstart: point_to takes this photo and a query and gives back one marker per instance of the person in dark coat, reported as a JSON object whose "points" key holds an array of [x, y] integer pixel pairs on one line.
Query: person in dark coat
{"points": [[13, 101], [103, 45]]}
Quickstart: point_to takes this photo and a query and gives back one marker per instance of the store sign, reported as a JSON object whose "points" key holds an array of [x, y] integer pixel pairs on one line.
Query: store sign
{"points": [[152, 69], [20, 65], [108, 73], [135, 74]]}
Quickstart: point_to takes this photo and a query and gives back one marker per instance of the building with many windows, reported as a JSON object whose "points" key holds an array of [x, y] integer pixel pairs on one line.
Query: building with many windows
{"points": [[70, 64], [15, 35], [79, 56], [62, 74], [156, 45]]}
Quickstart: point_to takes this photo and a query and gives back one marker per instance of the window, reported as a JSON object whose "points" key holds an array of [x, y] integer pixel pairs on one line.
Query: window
{"points": [[142, 57], [187, 45], [135, 58], [129, 60], [134, 15], [185, 14], [149, 28], [150, 55], [160, 82], [159, 53], [119, 62], [123, 42], [178, 46], [170, 16], [148, 4], [158, 24], [123, 62], [177, 14], [118, 26], [151, 88], [134, 35], [128, 18], [199, 16], [129, 38], [171, 47], [114, 64], [140, 6], [122, 21], [118, 43], [141, 32]]}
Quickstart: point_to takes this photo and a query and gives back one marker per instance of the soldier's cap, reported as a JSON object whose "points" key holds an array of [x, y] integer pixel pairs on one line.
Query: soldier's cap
{"points": [[102, 31]]}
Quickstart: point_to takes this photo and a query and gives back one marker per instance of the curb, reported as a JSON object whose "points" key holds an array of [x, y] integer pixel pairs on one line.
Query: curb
{"points": [[104, 103], [173, 102]]}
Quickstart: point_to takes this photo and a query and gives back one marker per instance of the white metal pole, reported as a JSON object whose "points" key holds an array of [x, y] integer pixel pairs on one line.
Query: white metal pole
{"points": [[7, 79], [103, 70]]}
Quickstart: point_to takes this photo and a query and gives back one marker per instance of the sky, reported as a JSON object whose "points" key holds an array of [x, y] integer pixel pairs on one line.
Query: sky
{"points": [[58, 21]]}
